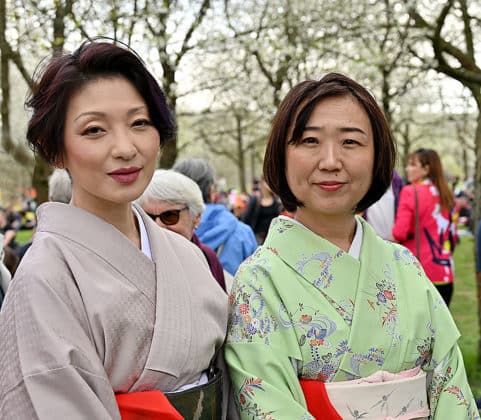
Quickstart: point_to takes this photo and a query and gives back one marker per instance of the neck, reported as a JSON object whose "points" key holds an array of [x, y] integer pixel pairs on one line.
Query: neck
{"points": [[121, 216], [339, 230]]}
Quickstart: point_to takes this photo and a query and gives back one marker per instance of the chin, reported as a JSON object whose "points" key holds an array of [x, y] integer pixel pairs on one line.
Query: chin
{"points": [[126, 197]]}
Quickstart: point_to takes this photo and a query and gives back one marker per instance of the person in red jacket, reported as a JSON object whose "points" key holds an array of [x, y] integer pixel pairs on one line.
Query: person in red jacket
{"points": [[424, 222]]}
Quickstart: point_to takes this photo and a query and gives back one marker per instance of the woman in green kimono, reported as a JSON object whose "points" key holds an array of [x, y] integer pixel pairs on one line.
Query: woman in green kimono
{"points": [[325, 310]]}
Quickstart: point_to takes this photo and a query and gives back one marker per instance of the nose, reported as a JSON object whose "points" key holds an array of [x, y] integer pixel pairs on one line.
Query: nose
{"points": [[330, 157], [124, 145]]}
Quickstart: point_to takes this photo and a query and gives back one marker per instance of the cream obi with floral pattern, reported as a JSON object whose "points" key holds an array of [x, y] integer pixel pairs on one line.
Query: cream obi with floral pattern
{"points": [[383, 395], [380, 396]]}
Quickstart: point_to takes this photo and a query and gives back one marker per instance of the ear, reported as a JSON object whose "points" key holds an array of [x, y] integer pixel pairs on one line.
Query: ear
{"points": [[196, 221], [59, 162]]}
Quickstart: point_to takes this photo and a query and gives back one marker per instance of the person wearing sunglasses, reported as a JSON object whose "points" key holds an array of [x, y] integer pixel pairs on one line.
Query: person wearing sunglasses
{"points": [[232, 240], [174, 202]]}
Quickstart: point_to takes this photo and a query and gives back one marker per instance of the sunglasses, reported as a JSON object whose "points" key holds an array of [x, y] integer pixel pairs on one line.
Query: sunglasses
{"points": [[169, 217]]}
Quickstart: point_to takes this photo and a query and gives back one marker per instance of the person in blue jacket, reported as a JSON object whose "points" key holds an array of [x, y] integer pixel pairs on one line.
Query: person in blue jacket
{"points": [[231, 239]]}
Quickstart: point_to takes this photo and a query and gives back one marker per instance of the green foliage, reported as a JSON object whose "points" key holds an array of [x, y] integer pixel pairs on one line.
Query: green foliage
{"points": [[464, 308]]}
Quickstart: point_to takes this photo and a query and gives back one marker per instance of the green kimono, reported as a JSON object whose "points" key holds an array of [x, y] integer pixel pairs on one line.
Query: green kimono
{"points": [[303, 308]]}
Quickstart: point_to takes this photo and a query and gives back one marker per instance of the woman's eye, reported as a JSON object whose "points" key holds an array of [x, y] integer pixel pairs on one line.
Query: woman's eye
{"points": [[92, 131], [309, 140], [141, 123], [350, 142]]}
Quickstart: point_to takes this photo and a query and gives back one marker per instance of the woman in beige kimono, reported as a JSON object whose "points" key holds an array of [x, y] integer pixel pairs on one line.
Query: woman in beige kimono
{"points": [[103, 303]]}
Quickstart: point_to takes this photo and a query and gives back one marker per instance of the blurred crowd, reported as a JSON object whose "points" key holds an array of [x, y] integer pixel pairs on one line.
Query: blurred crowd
{"points": [[463, 190]]}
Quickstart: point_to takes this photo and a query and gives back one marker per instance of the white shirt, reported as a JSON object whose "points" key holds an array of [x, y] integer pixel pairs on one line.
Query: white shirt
{"points": [[381, 215]]}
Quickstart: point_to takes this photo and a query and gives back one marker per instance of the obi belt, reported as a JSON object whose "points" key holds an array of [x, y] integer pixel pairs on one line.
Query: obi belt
{"points": [[203, 402], [381, 396]]}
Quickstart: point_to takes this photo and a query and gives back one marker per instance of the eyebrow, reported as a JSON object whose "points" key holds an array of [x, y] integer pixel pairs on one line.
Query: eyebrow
{"points": [[342, 129], [130, 112]]}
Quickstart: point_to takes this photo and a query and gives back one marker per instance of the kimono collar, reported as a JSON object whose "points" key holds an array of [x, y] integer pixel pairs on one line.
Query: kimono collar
{"points": [[355, 248], [100, 237], [371, 284]]}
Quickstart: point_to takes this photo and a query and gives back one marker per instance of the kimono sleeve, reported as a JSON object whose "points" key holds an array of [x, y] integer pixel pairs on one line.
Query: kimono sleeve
{"points": [[404, 215], [259, 352], [449, 392], [50, 367]]}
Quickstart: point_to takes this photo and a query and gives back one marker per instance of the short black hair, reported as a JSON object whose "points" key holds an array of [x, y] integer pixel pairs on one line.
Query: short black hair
{"points": [[64, 75], [291, 119]]}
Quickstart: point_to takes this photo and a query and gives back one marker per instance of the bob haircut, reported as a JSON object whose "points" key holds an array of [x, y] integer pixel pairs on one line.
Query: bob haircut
{"points": [[289, 123], [64, 75], [430, 158]]}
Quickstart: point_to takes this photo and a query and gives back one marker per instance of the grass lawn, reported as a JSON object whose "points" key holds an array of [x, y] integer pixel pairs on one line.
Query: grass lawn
{"points": [[23, 236], [464, 308]]}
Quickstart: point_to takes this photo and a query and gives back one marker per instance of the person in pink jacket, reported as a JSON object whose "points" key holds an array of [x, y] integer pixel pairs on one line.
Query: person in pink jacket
{"points": [[424, 222]]}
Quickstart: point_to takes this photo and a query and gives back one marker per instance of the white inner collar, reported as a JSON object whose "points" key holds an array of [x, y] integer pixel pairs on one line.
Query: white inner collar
{"points": [[144, 238], [354, 249]]}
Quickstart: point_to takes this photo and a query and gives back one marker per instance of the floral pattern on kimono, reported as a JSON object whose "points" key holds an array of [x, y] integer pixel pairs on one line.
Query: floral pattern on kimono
{"points": [[315, 312]]}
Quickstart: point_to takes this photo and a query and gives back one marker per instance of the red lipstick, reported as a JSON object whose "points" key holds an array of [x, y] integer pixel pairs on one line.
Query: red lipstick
{"points": [[125, 175], [330, 186]]}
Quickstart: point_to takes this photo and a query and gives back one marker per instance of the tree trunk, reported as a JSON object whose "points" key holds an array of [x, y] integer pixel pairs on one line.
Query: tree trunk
{"points": [[386, 98], [253, 164], [168, 155], [405, 149], [40, 176], [17, 151], [465, 162], [5, 105], [42, 170], [240, 154], [169, 151]]}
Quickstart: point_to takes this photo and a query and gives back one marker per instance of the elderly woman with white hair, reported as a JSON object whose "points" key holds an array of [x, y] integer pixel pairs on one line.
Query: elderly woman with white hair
{"points": [[174, 202]]}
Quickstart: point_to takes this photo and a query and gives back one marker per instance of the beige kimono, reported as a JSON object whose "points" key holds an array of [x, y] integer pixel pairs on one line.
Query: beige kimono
{"points": [[89, 315]]}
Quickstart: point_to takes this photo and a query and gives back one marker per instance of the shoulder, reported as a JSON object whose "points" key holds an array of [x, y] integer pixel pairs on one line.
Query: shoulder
{"points": [[258, 268], [407, 196], [176, 242], [393, 254], [44, 279], [208, 252], [217, 211], [255, 303], [411, 272], [408, 190], [45, 259], [46, 252], [244, 228]]}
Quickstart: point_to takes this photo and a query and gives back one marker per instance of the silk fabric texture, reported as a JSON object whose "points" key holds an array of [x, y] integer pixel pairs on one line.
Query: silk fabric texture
{"points": [[89, 315], [303, 308]]}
